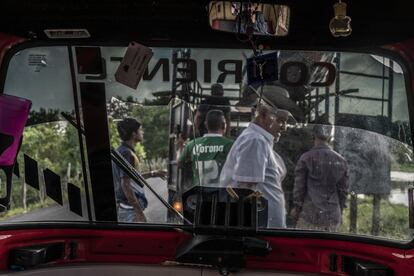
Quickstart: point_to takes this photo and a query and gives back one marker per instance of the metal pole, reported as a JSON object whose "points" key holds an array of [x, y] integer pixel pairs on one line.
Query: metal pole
{"points": [[353, 213], [80, 136], [391, 90], [337, 83], [326, 104], [376, 215], [317, 105]]}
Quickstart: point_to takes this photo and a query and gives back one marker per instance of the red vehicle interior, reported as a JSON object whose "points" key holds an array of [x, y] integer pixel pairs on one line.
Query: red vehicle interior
{"points": [[149, 247], [152, 250]]}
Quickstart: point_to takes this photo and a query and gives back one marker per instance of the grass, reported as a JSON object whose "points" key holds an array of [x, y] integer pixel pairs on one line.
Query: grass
{"points": [[393, 219]]}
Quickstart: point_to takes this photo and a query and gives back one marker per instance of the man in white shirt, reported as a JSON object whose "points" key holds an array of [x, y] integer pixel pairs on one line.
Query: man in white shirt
{"points": [[252, 163]]}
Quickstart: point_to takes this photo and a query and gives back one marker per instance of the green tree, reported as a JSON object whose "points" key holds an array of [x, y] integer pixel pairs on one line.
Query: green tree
{"points": [[116, 141], [54, 146], [155, 121]]}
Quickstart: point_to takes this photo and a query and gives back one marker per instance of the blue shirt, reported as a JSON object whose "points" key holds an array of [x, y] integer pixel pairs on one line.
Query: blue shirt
{"points": [[118, 174]]}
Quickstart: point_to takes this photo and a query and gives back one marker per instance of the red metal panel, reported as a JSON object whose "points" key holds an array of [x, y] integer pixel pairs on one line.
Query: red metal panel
{"points": [[6, 42], [406, 50], [155, 247]]}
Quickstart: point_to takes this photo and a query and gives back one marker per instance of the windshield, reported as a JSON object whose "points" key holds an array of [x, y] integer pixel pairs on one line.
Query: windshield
{"points": [[339, 161]]}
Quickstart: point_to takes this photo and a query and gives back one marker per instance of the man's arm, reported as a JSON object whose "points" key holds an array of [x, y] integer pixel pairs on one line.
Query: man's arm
{"points": [[299, 188], [132, 199], [158, 173], [249, 167], [127, 189], [342, 188], [251, 162], [184, 156]]}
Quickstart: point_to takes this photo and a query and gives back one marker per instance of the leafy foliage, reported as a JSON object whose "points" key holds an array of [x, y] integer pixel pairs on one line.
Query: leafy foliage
{"points": [[54, 144], [155, 121]]}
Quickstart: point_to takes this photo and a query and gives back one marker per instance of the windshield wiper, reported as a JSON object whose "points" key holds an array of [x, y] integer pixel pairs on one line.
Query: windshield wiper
{"points": [[128, 169], [140, 180]]}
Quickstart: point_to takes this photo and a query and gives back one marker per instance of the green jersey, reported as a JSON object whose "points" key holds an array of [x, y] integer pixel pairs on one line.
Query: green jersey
{"points": [[207, 155]]}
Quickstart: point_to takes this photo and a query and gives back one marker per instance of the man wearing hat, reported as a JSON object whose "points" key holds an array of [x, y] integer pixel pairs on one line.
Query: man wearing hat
{"points": [[252, 163], [321, 187], [215, 101]]}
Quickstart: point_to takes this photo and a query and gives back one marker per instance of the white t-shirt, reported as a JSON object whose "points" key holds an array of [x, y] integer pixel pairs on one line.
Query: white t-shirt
{"points": [[252, 159]]}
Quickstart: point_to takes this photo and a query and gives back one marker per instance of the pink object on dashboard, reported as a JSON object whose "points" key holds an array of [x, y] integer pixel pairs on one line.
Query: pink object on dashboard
{"points": [[13, 116]]}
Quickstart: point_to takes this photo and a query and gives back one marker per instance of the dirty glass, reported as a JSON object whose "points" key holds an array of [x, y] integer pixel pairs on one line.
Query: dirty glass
{"points": [[364, 98], [359, 98], [48, 172]]}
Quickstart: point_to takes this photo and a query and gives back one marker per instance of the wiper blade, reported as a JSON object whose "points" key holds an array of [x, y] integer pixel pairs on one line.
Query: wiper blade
{"points": [[128, 169], [138, 178]]}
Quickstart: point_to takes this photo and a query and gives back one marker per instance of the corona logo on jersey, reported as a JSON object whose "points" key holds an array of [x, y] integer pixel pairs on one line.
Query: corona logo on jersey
{"points": [[207, 149]]}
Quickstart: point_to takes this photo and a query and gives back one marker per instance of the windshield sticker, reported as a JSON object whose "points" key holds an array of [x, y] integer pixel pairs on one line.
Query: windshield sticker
{"points": [[53, 185], [31, 172], [133, 64], [16, 170], [37, 61], [74, 197]]}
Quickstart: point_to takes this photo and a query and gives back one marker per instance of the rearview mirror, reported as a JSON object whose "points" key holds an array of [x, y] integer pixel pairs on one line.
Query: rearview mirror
{"points": [[249, 18]]}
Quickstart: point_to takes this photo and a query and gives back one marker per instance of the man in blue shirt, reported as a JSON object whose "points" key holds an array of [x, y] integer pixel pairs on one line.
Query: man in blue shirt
{"points": [[130, 197]]}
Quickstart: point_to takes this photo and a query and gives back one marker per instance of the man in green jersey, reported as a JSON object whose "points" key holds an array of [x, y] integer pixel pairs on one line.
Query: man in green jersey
{"points": [[207, 154]]}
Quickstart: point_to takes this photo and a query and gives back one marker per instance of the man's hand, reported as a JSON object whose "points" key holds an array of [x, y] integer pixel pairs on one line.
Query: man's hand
{"points": [[132, 199], [161, 174], [140, 215], [180, 142], [294, 213]]}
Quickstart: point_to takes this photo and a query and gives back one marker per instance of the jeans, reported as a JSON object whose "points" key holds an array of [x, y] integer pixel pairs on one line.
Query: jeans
{"points": [[127, 215], [303, 224]]}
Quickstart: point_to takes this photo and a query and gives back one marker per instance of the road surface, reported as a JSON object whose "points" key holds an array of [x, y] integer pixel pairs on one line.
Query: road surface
{"points": [[156, 212]]}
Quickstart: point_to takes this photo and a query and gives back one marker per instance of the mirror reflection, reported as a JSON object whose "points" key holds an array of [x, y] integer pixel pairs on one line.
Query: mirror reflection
{"points": [[249, 18]]}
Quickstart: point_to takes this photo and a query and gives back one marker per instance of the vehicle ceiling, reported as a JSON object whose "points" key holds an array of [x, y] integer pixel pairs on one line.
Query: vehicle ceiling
{"points": [[373, 22]]}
